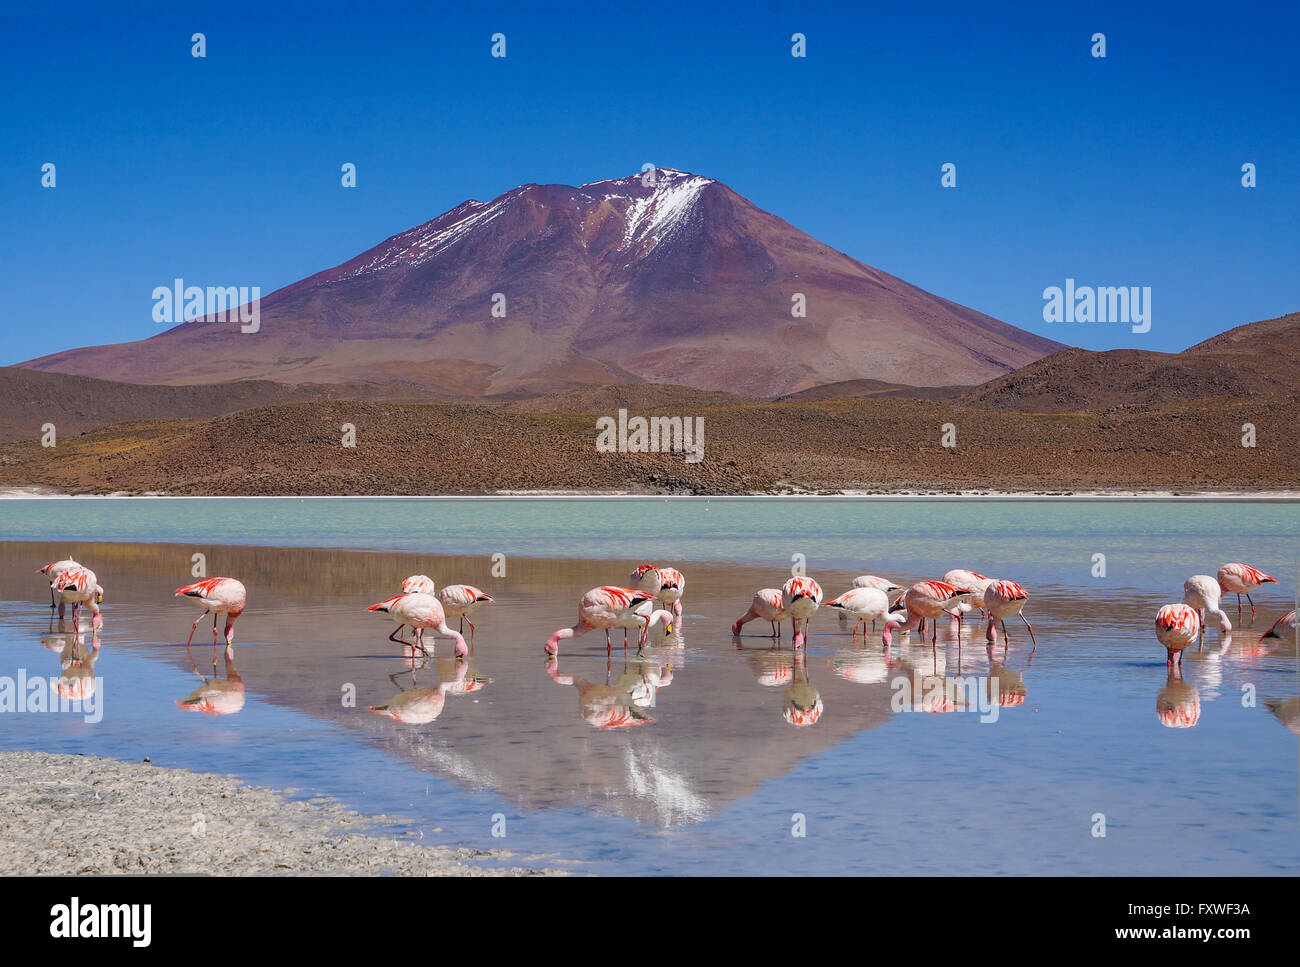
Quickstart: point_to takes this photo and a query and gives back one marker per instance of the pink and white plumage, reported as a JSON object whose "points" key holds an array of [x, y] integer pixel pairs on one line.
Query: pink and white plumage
{"points": [[928, 599], [605, 608], [647, 578], [54, 571], [462, 600], [77, 586], [1202, 592], [672, 584], [976, 582], [1177, 627], [216, 596], [1003, 600], [801, 597], [419, 584], [419, 611], [1241, 579], [768, 605], [892, 591], [863, 604], [1283, 627]]}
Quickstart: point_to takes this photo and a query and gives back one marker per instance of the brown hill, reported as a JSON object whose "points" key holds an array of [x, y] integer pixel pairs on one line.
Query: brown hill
{"points": [[74, 404], [857, 389], [1260, 358], [872, 445], [683, 281]]}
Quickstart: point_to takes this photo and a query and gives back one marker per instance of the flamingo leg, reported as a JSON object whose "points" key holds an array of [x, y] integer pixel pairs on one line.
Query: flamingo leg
{"points": [[193, 628], [1031, 629], [1238, 607], [396, 632], [471, 628], [214, 641], [1252, 606]]}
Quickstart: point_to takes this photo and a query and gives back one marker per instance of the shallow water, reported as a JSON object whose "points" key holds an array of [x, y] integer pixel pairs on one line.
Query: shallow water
{"points": [[719, 779]]}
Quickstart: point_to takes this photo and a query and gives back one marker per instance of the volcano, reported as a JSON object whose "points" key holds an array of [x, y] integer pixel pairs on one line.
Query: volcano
{"points": [[662, 277]]}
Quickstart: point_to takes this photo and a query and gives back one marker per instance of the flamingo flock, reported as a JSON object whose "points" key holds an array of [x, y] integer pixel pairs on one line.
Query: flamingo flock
{"points": [[1182, 624], [651, 606]]}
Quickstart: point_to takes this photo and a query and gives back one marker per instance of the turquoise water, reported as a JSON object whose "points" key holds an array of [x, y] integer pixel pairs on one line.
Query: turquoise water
{"points": [[716, 782]]}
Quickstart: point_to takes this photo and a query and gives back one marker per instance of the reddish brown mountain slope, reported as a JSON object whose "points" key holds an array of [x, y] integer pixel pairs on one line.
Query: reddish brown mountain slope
{"points": [[1257, 359], [684, 282]]}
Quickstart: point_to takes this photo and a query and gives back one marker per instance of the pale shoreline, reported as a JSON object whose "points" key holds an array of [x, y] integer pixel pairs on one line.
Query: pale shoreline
{"points": [[1059, 494], [65, 815]]}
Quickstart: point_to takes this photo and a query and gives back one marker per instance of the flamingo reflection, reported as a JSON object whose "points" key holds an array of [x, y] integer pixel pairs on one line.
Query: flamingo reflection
{"points": [[216, 696], [602, 706]]}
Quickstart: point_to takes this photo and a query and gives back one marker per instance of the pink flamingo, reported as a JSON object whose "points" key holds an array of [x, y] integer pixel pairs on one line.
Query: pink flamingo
{"points": [[55, 571], [606, 607], [863, 605], [419, 611], [76, 586], [647, 578], [1202, 592], [419, 584], [962, 578], [1177, 626], [218, 596], [1241, 579], [672, 584], [462, 600], [893, 591], [800, 597], [1285, 624], [1002, 600], [928, 599], [768, 605]]}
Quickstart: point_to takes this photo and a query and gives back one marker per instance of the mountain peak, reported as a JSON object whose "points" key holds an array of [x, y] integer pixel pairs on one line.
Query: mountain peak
{"points": [[657, 276]]}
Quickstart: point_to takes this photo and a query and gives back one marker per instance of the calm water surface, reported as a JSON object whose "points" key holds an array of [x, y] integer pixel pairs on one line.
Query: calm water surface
{"points": [[718, 779]]}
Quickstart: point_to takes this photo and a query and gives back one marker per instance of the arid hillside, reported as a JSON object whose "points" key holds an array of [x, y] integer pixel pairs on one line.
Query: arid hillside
{"points": [[870, 445]]}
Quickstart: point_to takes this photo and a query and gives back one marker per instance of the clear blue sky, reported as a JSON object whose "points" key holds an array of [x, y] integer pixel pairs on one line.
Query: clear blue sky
{"points": [[225, 170]]}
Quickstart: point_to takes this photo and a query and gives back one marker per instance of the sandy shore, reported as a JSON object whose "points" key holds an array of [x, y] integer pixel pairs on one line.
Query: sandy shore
{"points": [[69, 814]]}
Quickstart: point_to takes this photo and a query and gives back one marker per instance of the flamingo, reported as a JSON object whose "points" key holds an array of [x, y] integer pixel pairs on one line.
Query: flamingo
{"points": [[419, 584], [671, 587], [606, 607], [927, 599], [892, 590], [863, 604], [460, 601], [1002, 600], [419, 611], [769, 606], [961, 578], [54, 571], [1241, 579], [647, 578], [659, 623], [218, 596], [1285, 626], [1177, 626], [800, 597], [76, 586], [1202, 592]]}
